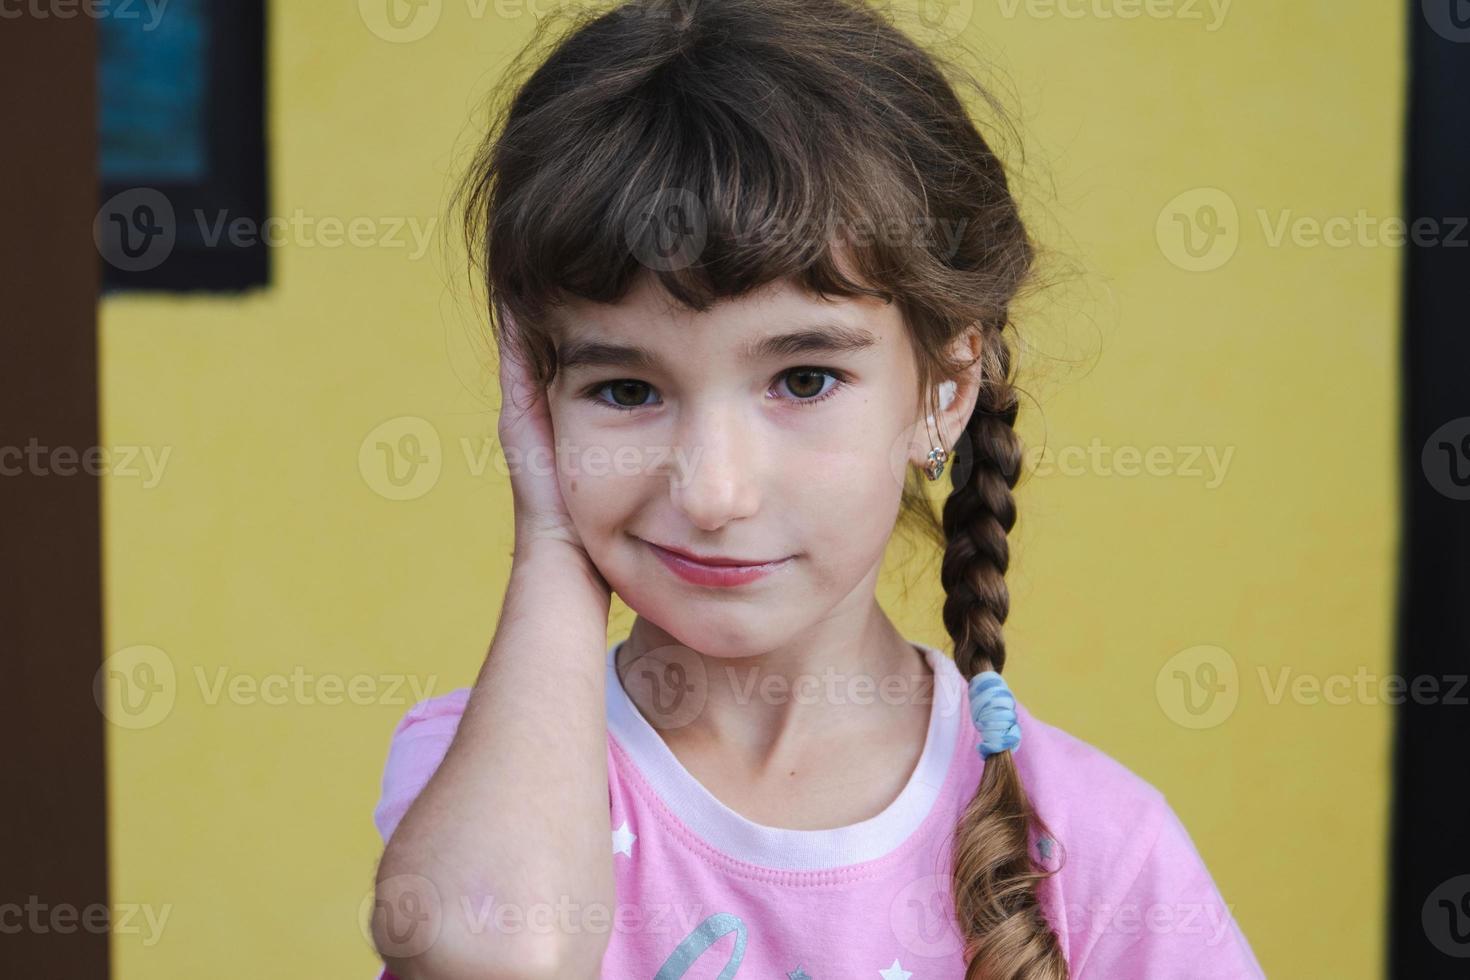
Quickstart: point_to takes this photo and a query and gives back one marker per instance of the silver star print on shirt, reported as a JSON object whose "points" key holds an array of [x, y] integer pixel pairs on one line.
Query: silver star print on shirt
{"points": [[895, 972], [622, 840]]}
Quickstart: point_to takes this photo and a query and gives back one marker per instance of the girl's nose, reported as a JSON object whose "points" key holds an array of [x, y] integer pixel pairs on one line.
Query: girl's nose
{"points": [[717, 477]]}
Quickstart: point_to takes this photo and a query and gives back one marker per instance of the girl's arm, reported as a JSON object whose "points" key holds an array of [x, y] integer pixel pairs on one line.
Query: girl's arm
{"points": [[506, 854]]}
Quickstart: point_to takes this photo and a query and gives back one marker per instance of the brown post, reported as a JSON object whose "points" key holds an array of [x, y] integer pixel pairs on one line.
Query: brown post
{"points": [[53, 849]]}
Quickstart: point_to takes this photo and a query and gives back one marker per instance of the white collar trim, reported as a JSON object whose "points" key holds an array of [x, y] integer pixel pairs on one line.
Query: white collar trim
{"points": [[784, 848]]}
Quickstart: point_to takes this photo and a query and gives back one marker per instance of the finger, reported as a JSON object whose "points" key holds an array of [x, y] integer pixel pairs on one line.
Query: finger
{"points": [[515, 377]]}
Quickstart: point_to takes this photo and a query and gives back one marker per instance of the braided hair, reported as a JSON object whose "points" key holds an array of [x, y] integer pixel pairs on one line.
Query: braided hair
{"points": [[995, 897]]}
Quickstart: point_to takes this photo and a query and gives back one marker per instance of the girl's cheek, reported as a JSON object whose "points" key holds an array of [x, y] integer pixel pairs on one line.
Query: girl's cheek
{"points": [[838, 483], [600, 483]]}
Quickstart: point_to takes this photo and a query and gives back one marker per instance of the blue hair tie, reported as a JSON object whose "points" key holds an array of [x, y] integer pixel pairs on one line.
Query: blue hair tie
{"points": [[993, 709]]}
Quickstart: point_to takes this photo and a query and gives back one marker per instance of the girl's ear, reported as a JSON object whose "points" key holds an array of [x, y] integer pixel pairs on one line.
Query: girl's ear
{"points": [[944, 429]]}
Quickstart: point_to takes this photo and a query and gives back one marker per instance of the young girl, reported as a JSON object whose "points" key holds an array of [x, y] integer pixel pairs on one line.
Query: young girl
{"points": [[751, 265]]}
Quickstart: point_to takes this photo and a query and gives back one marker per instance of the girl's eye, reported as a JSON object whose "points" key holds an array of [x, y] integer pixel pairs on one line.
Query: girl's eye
{"points": [[627, 393], [806, 384]]}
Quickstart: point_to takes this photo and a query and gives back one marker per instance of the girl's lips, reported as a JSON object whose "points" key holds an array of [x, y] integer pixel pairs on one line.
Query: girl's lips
{"points": [[698, 573]]}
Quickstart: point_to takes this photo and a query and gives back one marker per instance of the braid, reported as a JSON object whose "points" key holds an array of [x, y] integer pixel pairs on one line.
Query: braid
{"points": [[996, 903], [978, 516]]}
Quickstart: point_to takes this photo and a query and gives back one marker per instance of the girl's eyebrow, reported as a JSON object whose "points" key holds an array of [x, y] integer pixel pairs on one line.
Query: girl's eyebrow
{"points": [[821, 338]]}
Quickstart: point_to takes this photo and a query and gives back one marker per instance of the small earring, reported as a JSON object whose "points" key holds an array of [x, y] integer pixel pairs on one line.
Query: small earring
{"points": [[934, 468]]}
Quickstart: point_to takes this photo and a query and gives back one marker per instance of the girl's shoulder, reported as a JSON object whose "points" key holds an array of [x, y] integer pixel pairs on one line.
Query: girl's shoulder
{"points": [[1084, 795], [1068, 772], [1107, 816], [1133, 891], [1061, 773]]}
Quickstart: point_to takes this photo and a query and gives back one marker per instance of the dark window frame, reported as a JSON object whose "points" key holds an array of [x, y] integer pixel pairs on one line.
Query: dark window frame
{"points": [[236, 182]]}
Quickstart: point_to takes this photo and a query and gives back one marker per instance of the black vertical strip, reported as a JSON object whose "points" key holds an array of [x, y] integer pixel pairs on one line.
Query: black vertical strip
{"points": [[53, 848], [1430, 888]]}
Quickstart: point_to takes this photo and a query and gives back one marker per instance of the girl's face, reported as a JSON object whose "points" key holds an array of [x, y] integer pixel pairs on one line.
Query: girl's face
{"points": [[773, 428]]}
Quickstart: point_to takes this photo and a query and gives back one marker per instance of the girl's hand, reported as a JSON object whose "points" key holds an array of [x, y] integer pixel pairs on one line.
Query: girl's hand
{"points": [[527, 440]]}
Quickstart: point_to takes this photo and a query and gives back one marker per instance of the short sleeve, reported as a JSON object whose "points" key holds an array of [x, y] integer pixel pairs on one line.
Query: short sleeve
{"points": [[1171, 923], [417, 746]]}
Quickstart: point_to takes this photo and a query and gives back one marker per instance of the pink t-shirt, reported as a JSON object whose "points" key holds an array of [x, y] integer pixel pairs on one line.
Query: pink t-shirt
{"points": [[703, 893]]}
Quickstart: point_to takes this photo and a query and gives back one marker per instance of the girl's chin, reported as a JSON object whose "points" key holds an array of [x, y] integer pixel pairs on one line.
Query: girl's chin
{"points": [[713, 629]]}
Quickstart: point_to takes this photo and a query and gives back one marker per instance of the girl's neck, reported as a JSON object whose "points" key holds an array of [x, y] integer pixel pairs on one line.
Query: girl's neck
{"points": [[850, 677]]}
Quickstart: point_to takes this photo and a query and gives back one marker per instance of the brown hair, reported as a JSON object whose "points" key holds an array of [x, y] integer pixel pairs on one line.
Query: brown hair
{"points": [[726, 144]]}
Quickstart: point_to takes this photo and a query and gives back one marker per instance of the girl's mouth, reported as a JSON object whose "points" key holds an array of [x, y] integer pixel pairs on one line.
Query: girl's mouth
{"points": [[724, 574]]}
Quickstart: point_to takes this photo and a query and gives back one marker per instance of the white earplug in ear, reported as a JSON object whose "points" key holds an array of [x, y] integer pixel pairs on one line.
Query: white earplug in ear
{"points": [[946, 391]]}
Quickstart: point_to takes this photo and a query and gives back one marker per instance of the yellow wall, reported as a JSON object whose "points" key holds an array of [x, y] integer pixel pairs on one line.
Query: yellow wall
{"points": [[270, 545]]}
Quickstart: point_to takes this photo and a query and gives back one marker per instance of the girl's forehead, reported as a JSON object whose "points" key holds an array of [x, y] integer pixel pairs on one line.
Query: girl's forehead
{"points": [[650, 317]]}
